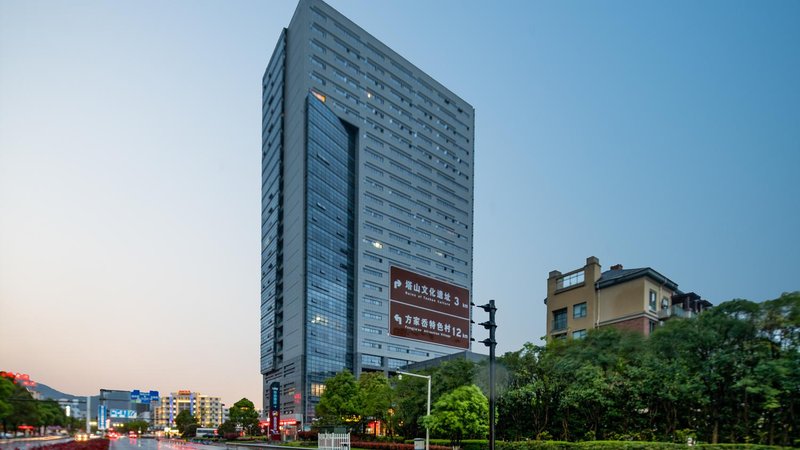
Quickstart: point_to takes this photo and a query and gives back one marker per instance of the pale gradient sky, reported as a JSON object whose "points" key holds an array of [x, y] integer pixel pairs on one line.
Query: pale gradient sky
{"points": [[661, 134]]}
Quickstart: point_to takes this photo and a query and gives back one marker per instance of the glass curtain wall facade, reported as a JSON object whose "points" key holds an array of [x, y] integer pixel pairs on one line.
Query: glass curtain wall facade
{"points": [[367, 167], [329, 220]]}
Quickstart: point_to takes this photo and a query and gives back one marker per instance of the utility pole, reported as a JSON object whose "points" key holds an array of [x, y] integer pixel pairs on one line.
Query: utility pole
{"points": [[490, 325]]}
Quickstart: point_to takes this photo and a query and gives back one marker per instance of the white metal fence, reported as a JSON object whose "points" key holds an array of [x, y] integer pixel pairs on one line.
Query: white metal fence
{"points": [[334, 441]]}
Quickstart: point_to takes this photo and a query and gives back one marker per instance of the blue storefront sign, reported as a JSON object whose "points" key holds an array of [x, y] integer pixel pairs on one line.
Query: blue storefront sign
{"points": [[101, 417]]}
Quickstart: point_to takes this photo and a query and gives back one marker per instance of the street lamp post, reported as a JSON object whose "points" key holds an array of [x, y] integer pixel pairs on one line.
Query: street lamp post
{"points": [[427, 430]]}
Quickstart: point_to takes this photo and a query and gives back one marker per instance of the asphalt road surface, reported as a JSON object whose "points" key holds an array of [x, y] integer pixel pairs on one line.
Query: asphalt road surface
{"points": [[158, 444]]}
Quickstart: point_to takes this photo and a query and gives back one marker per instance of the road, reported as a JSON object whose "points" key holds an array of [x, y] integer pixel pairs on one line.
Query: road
{"points": [[159, 444], [118, 444], [124, 443]]}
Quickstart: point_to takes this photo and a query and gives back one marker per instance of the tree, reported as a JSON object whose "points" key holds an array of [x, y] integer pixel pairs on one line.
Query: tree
{"points": [[227, 430], [374, 397], [410, 393], [49, 413], [338, 404], [451, 375], [527, 404], [460, 414], [23, 408], [244, 415], [186, 423], [411, 401], [6, 408]]}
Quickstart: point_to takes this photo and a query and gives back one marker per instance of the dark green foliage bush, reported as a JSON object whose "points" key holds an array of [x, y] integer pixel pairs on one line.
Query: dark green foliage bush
{"points": [[307, 435], [624, 445], [729, 375], [392, 446]]}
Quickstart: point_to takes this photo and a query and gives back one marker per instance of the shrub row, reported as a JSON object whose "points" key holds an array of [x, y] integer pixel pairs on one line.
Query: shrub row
{"points": [[626, 445], [393, 446], [466, 444], [482, 444]]}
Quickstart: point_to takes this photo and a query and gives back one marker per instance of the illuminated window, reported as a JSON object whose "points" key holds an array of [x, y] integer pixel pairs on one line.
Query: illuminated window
{"points": [[317, 389], [319, 96]]}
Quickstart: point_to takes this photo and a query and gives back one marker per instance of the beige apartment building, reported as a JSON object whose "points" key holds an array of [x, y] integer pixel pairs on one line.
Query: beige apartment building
{"points": [[631, 299], [208, 410]]}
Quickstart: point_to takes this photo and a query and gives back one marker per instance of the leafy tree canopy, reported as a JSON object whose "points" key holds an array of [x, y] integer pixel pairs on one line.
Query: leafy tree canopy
{"points": [[729, 375], [184, 420], [374, 396], [460, 414], [243, 414], [339, 405]]}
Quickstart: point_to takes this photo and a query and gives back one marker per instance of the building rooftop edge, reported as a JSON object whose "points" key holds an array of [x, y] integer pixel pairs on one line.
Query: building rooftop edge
{"points": [[612, 277], [387, 49]]}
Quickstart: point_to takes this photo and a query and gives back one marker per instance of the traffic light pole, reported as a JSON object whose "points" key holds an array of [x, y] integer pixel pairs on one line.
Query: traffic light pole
{"points": [[490, 325]]}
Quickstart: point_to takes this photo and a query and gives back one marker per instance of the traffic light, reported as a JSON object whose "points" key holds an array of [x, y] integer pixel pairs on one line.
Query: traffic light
{"points": [[489, 324]]}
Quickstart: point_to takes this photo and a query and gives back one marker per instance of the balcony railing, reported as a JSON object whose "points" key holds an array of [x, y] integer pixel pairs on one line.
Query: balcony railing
{"points": [[678, 311]]}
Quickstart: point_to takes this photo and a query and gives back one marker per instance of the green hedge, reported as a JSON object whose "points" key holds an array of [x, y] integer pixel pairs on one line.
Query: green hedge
{"points": [[483, 444], [627, 445]]}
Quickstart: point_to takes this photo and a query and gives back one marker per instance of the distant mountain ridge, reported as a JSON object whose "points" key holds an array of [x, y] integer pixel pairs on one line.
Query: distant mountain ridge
{"points": [[49, 393]]}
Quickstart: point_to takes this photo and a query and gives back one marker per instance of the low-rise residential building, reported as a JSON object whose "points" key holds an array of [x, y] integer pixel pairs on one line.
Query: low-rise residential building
{"points": [[632, 299]]}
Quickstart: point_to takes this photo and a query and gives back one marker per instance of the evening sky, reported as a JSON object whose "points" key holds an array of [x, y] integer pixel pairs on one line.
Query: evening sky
{"points": [[661, 134]]}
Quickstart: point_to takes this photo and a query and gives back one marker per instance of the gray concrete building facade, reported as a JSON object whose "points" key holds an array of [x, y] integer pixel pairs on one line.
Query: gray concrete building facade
{"points": [[367, 210]]}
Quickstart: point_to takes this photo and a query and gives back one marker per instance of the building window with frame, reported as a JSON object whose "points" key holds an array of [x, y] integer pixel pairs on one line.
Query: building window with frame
{"points": [[579, 310], [652, 326], [560, 319], [665, 304], [569, 280], [396, 363], [653, 301], [580, 334], [317, 389], [371, 360]]}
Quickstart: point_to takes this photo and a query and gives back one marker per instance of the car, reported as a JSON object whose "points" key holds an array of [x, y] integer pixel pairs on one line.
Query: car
{"points": [[132, 435], [81, 436]]}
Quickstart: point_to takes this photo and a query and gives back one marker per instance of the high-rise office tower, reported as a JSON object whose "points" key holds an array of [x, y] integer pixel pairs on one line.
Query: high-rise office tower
{"points": [[367, 200]]}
